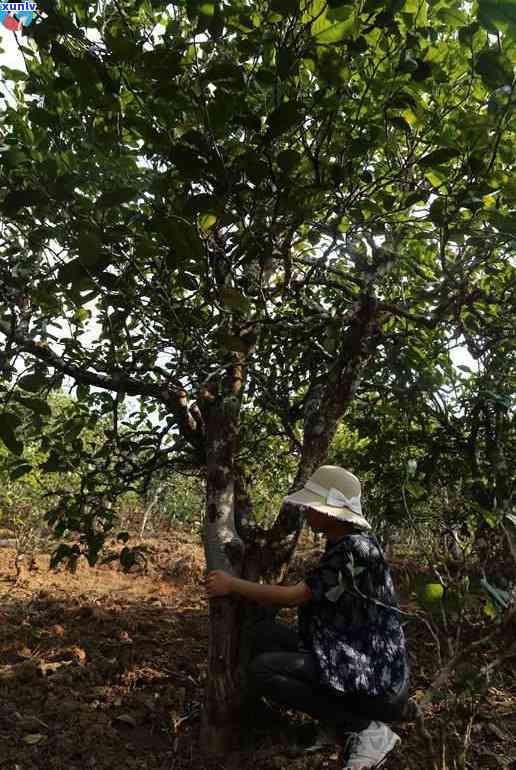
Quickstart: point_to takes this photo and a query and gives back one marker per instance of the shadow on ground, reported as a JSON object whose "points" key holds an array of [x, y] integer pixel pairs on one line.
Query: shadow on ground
{"points": [[103, 671]]}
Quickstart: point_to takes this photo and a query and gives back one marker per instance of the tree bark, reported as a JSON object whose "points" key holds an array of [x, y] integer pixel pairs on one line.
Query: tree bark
{"points": [[150, 507], [224, 550], [324, 406], [265, 554]]}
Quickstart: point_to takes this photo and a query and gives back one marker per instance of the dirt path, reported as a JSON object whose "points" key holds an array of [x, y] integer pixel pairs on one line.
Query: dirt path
{"points": [[103, 671]]}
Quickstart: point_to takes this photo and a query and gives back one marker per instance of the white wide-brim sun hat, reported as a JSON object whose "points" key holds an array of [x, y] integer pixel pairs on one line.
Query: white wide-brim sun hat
{"points": [[333, 491]]}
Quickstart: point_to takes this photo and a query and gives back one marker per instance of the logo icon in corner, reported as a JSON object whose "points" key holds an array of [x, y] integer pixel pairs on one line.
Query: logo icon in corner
{"points": [[14, 16]]}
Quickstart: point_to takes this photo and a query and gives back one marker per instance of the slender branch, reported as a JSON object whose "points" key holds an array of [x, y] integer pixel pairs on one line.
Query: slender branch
{"points": [[174, 399], [466, 652]]}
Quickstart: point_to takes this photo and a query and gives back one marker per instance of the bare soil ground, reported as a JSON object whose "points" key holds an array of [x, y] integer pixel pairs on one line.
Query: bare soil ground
{"points": [[102, 670]]}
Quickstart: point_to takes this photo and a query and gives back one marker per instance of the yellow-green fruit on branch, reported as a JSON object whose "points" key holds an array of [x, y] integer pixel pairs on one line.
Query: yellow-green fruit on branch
{"points": [[430, 595]]}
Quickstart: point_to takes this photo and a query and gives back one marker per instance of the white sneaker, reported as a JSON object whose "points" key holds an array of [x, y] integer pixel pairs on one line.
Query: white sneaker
{"points": [[369, 748]]}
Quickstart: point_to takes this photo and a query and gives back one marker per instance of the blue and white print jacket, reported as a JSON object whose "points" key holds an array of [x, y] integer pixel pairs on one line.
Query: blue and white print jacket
{"points": [[351, 623]]}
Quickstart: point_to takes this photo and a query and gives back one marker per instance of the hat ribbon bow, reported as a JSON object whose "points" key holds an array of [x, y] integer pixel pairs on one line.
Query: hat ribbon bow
{"points": [[335, 497]]}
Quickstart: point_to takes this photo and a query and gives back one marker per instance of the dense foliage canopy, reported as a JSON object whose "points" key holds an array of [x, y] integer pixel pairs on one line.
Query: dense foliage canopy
{"points": [[282, 203]]}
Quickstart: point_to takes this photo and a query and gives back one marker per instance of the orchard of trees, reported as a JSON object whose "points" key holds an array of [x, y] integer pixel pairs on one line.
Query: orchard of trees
{"points": [[246, 237]]}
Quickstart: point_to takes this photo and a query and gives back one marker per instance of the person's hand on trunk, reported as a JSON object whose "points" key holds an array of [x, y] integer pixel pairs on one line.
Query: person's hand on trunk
{"points": [[218, 583]]}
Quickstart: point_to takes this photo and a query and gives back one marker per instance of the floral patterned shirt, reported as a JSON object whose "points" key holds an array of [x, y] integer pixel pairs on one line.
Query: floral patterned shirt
{"points": [[351, 623]]}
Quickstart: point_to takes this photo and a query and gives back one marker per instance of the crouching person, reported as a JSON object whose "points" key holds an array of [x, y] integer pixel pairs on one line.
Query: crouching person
{"points": [[346, 665]]}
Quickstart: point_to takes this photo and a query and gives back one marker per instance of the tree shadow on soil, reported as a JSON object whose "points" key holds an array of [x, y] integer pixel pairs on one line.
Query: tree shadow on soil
{"points": [[85, 685], [103, 672], [90, 686]]}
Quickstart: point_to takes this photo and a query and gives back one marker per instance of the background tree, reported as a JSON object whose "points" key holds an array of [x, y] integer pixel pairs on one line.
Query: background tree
{"points": [[283, 202]]}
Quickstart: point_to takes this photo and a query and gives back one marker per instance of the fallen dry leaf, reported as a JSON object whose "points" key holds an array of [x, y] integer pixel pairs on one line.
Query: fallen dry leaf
{"points": [[78, 653], [24, 653], [127, 719], [34, 738]]}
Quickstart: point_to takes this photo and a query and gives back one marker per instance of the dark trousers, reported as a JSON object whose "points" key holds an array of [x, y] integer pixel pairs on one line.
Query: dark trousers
{"points": [[288, 675]]}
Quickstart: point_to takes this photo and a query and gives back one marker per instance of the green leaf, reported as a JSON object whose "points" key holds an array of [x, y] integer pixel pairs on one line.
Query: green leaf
{"points": [[416, 490], [230, 342], [41, 117], [490, 610], [185, 239], [256, 169], [19, 470], [206, 222], [496, 15], [202, 204], [12, 419], [335, 32], [61, 553], [420, 196], [452, 16], [438, 211], [83, 392], [438, 157], [287, 115], [116, 197], [72, 272], [72, 428], [436, 178], [467, 34], [37, 405], [207, 9], [285, 7], [8, 423], [14, 75], [54, 463], [33, 382], [89, 247], [18, 199], [225, 71], [188, 281], [506, 223], [34, 738], [288, 160], [495, 68], [316, 15], [81, 315], [234, 298], [127, 558]]}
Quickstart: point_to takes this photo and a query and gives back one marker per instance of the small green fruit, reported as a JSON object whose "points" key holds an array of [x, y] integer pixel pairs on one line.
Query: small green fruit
{"points": [[430, 594]]}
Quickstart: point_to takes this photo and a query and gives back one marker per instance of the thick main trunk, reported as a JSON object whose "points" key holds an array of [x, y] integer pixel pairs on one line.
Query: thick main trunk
{"points": [[267, 552], [224, 550], [222, 691]]}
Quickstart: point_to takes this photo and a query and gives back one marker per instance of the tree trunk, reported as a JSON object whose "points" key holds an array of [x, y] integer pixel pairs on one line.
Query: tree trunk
{"points": [[222, 692], [265, 553], [150, 508], [324, 406], [224, 550]]}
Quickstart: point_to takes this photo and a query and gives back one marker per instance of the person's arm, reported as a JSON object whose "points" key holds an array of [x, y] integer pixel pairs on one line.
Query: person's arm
{"points": [[219, 583]]}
